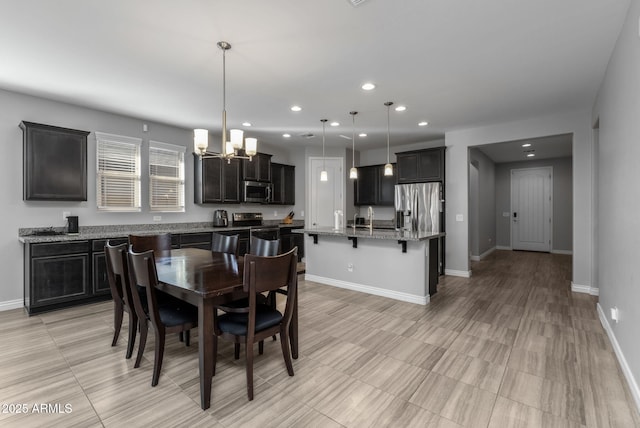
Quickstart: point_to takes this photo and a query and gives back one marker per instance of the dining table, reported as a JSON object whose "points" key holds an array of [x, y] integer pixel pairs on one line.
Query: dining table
{"points": [[206, 279]]}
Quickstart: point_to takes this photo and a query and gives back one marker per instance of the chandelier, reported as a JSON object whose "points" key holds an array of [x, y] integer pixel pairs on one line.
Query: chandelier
{"points": [[231, 147]]}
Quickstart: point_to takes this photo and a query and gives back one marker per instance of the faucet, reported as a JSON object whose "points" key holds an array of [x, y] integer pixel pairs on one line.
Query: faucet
{"points": [[354, 221], [370, 217]]}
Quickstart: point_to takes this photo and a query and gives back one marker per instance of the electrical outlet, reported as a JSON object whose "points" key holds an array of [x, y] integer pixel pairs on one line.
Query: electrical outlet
{"points": [[157, 218], [350, 267], [65, 214], [275, 213], [615, 314], [459, 217], [302, 213]]}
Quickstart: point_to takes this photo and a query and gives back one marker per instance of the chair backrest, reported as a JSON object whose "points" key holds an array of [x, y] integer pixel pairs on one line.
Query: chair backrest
{"points": [[118, 280], [160, 244], [224, 243], [143, 274], [271, 273], [264, 247]]}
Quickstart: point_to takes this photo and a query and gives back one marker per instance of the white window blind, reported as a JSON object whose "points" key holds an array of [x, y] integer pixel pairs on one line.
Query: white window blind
{"points": [[118, 180], [166, 177]]}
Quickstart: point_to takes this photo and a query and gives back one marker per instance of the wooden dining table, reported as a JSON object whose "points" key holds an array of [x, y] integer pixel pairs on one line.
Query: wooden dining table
{"points": [[206, 279]]}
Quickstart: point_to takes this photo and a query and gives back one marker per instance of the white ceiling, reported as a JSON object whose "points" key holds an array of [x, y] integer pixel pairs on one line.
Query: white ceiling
{"points": [[554, 146], [454, 63]]}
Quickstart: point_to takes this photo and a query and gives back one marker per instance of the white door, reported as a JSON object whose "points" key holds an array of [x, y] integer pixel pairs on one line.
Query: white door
{"points": [[531, 209], [325, 196]]}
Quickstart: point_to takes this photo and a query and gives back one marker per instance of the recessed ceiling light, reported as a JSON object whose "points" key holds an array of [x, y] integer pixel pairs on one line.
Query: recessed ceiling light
{"points": [[296, 108], [530, 155], [401, 108], [423, 123], [286, 135], [526, 145], [362, 135], [368, 86], [335, 124], [246, 123]]}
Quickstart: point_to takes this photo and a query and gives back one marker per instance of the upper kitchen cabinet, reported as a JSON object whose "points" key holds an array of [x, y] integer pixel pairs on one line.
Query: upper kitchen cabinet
{"points": [[258, 168], [372, 187], [54, 163], [283, 179], [216, 180], [421, 165]]}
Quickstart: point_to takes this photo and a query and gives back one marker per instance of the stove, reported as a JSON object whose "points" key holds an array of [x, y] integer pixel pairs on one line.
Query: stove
{"points": [[246, 219], [254, 221]]}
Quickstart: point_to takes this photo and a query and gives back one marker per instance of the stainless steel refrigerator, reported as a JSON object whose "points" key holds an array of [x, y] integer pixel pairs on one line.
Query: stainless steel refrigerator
{"points": [[419, 207]]}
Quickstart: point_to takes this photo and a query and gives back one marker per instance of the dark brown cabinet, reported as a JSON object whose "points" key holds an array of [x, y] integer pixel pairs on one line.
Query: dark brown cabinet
{"points": [[99, 264], [258, 168], [216, 180], [288, 240], [283, 179], [54, 163], [55, 274], [372, 187], [420, 166], [196, 240]]}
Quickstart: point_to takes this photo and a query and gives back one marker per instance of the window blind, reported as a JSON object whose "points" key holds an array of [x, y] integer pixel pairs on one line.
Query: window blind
{"points": [[166, 177], [118, 172]]}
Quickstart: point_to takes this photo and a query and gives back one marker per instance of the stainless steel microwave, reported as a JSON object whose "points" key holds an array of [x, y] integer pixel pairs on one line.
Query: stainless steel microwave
{"points": [[256, 191]]}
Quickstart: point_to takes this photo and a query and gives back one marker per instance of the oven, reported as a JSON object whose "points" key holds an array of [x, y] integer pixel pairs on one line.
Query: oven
{"points": [[270, 233], [255, 191], [256, 228]]}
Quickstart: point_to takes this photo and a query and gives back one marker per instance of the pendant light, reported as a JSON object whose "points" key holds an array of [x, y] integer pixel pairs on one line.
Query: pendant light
{"points": [[323, 173], [229, 148], [388, 168], [353, 172]]}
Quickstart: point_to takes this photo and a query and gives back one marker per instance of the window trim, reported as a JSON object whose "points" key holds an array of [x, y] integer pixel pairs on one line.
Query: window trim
{"points": [[180, 151], [102, 137]]}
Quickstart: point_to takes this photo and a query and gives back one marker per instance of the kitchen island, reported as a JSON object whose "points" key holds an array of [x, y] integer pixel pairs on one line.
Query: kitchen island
{"points": [[401, 265]]}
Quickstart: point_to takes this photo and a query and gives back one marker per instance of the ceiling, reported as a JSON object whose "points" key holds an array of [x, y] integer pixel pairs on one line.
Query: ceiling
{"points": [[455, 64], [554, 146]]}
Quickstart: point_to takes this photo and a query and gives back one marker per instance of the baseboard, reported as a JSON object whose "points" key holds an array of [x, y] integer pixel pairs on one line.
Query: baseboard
{"points": [[577, 288], [567, 252], [502, 247], [461, 273], [631, 381], [11, 304], [397, 295], [483, 255]]}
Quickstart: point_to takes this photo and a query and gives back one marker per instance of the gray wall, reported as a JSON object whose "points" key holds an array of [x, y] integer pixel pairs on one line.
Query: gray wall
{"points": [[18, 213], [562, 201], [618, 110], [485, 200]]}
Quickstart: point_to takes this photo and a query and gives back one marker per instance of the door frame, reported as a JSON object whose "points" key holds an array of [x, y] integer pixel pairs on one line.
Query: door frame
{"points": [[549, 168], [311, 178]]}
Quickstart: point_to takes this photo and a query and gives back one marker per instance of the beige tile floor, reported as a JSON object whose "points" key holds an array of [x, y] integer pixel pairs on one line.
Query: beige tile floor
{"points": [[509, 347]]}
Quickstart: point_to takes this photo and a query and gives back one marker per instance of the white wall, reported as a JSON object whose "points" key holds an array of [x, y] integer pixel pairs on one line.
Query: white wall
{"points": [[18, 213], [458, 142], [618, 110], [562, 239]]}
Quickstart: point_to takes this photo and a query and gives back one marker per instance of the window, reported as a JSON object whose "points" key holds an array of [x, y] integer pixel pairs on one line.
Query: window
{"points": [[166, 177], [118, 180]]}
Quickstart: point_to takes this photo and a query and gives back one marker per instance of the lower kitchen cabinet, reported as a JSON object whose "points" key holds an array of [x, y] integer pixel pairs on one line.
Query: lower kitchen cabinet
{"points": [[196, 240], [56, 275], [99, 264], [288, 240]]}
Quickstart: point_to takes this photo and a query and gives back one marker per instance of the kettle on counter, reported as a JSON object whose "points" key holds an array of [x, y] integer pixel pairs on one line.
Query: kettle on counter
{"points": [[220, 218]]}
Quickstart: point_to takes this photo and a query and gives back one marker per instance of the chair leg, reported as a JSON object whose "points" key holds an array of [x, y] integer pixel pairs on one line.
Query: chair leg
{"points": [[157, 364], [249, 353], [118, 313], [133, 327], [273, 302], [261, 347], [144, 329], [187, 338], [236, 350], [286, 351], [215, 353]]}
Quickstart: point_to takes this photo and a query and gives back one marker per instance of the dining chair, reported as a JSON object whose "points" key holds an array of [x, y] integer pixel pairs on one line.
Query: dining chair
{"points": [[263, 247], [121, 293], [176, 317], [160, 244], [224, 243], [258, 321]]}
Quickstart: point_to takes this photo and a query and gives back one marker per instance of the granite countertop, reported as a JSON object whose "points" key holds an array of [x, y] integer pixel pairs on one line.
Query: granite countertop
{"points": [[27, 236], [349, 232]]}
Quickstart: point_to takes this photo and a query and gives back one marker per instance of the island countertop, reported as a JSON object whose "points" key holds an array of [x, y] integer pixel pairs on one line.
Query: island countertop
{"points": [[350, 232]]}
